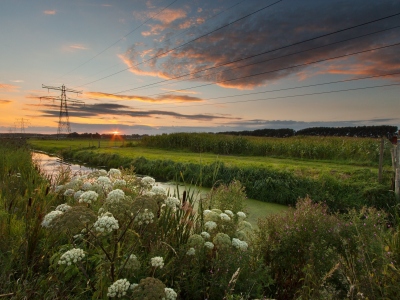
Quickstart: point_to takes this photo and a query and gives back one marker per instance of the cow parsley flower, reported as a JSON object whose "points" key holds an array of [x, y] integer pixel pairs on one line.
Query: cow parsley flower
{"points": [[69, 192], [49, 217], [209, 245], [114, 173], [133, 285], [77, 195], [86, 186], [119, 182], [172, 202], [157, 262], [229, 212], [144, 217], [58, 188], [205, 235], [158, 190], [71, 256], [191, 251], [195, 240], [63, 207], [118, 288], [224, 217], [103, 180], [148, 181], [222, 239], [115, 196], [102, 172], [88, 197], [241, 214], [206, 212], [77, 177], [84, 177], [238, 244], [133, 263], [106, 223], [170, 294], [210, 225]]}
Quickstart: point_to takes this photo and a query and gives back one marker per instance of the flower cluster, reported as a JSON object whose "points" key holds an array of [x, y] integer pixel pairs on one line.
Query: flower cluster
{"points": [[63, 207], [157, 261], [49, 217], [59, 188], [205, 235], [144, 217], [224, 217], [241, 214], [209, 245], [119, 182], [106, 223], [210, 225], [238, 244], [206, 212], [104, 181], [133, 263], [114, 173], [191, 251], [88, 197], [148, 181], [69, 192], [158, 190], [115, 196], [102, 172], [170, 294], [86, 186], [195, 240], [71, 256], [77, 195], [229, 212], [172, 202], [118, 288], [222, 239]]}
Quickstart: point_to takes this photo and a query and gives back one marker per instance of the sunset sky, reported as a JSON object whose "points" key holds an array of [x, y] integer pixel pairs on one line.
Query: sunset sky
{"points": [[125, 56]]}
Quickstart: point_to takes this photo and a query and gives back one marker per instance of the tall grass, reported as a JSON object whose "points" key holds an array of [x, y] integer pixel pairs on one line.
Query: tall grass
{"points": [[326, 148]]}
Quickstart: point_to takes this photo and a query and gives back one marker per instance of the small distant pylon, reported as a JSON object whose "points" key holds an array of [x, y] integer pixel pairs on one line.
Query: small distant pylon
{"points": [[63, 121], [21, 123]]}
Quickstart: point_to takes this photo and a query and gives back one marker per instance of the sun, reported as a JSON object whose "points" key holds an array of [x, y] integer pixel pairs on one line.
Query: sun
{"points": [[115, 132]]}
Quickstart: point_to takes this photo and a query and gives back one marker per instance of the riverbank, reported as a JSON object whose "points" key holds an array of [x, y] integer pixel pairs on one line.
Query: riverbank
{"points": [[266, 179]]}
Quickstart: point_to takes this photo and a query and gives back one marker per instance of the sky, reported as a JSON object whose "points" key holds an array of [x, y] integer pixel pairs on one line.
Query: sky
{"points": [[162, 66]]}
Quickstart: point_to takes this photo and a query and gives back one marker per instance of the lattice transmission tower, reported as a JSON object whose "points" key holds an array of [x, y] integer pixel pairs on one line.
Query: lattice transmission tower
{"points": [[63, 121], [22, 123]]}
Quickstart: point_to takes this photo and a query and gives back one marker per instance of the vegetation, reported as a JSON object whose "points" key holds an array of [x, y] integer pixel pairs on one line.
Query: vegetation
{"points": [[113, 235]]}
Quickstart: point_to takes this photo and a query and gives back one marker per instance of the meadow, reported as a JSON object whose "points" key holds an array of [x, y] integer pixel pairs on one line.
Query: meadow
{"points": [[107, 235]]}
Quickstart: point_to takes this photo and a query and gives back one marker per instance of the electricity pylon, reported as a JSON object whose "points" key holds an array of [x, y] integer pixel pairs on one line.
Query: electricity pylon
{"points": [[21, 123], [63, 121]]}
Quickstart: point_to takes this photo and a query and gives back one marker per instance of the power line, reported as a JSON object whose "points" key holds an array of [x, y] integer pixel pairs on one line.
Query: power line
{"points": [[195, 39], [118, 40]]}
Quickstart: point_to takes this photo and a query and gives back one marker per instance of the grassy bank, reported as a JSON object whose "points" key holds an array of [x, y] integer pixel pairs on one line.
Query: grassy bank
{"points": [[280, 181]]}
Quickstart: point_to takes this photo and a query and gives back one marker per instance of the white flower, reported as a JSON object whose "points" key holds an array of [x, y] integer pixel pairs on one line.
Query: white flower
{"points": [[69, 192], [241, 214], [49, 217], [77, 177], [83, 177], [71, 256], [59, 188], [210, 225], [86, 186], [132, 263], [238, 244], [77, 195], [77, 236], [88, 197], [209, 245], [172, 202], [118, 288], [114, 172], [157, 262], [148, 181], [115, 196], [229, 212], [206, 212], [224, 217], [191, 251], [144, 217], [205, 235], [133, 285], [63, 207], [170, 294], [102, 172], [150, 194], [106, 223], [120, 182], [103, 180], [158, 190]]}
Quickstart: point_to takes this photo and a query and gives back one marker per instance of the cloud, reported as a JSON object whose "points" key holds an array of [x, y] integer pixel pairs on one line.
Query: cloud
{"points": [[18, 80], [182, 91], [158, 99], [114, 109], [3, 101], [78, 47], [278, 27], [9, 87], [167, 19], [49, 12]]}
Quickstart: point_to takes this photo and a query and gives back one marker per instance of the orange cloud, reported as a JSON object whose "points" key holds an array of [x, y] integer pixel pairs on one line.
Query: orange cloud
{"points": [[170, 15], [9, 87], [78, 47], [3, 101], [49, 12], [181, 91], [158, 99]]}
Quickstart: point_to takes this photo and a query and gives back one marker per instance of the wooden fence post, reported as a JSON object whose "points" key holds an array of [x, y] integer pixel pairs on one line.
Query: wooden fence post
{"points": [[397, 183], [381, 160], [393, 159]]}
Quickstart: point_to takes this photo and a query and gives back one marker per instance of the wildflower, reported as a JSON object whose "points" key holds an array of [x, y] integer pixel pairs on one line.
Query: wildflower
{"points": [[148, 181], [118, 288], [77, 177], [119, 182], [104, 181], [172, 202], [209, 245], [158, 190], [241, 214], [170, 294], [191, 251], [49, 217], [86, 186], [239, 244], [71, 256], [59, 188], [224, 217], [133, 263], [133, 285], [205, 235], [222, 239], [206, 212], [157, 261], [210, 225], [115, 196], [144, 217], [63, 207], [106, 223], [69, 192], [102, 172], [77, 195], [114, 173], [195, 240], [88, 197], [230, 213]]}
